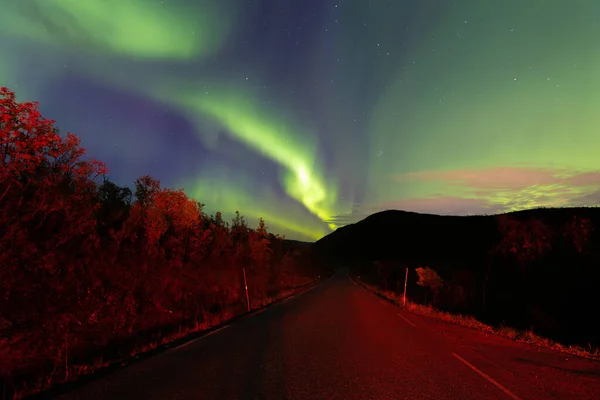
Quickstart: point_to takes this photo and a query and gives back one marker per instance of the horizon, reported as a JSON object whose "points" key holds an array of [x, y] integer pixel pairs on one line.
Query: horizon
{"points": [[463, 215]]}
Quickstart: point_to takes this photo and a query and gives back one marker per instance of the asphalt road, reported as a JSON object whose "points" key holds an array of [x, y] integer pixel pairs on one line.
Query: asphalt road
{"points": [[339, 341]]}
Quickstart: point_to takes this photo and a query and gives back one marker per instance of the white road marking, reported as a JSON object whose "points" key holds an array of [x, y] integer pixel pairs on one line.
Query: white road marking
{"points": [[406, 319], [499, 386], [386, 303]]}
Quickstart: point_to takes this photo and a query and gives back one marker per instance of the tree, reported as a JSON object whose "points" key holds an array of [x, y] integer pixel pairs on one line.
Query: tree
{"points": [[429, 279], [218, 219], [578, 232], [524, 241], [384, 271], [145, 189], [260, 245], [46, 189], [239, 233], [115, 203], [239, 227], [221, 238], [47, 212]]}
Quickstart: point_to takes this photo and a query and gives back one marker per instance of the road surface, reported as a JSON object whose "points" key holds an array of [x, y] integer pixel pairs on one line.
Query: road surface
{"points": [[339, 341]]}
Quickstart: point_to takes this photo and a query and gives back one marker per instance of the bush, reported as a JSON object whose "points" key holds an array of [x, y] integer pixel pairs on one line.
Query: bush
{"points": [[430, 279]]}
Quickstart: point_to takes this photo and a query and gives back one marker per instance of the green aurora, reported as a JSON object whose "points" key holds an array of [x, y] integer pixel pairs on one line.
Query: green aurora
{"points": [[325, 111]]}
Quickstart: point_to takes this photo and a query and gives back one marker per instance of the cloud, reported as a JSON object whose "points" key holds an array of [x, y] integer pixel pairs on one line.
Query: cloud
{"points": [[584, 179], [490, 178], [490, 191], [443, 205], [589, 199]]}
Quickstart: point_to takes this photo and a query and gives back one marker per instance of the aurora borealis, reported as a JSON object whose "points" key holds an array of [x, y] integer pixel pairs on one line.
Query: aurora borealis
{"points": [[315, 113]]}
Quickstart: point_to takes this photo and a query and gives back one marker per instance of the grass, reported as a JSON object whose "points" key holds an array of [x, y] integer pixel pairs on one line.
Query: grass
{"points": [[69, 373], [468, 321]]}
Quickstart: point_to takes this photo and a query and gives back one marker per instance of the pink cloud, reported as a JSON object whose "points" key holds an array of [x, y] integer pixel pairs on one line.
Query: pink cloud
{"points": [[584, 179], [520, 187], [512, 178], [589, 199]]}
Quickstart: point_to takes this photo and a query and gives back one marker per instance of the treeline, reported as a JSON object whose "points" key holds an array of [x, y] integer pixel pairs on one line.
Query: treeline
{"points": [[534, 269], [86, 264]]}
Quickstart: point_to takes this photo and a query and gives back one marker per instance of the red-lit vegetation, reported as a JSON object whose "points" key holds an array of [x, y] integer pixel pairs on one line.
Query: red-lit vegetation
{"points": [[430, 279], [91, 272]]}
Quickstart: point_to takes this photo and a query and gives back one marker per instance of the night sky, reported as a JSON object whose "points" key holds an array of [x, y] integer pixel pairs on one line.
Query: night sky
{"points": [[316, 113]]}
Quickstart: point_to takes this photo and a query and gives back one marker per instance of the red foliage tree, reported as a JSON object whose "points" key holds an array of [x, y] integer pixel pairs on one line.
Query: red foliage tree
{"points": [[578, 231], [525, 241], [47, 189], [47, 216], [260, 245]]}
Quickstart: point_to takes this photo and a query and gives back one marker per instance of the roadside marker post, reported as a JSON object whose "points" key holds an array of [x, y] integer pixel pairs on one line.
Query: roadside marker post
{"points": [[246, 287], [405, 281]]}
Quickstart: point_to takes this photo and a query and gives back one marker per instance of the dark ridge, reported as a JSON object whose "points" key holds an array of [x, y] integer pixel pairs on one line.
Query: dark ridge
{"points": [[486, 266]]}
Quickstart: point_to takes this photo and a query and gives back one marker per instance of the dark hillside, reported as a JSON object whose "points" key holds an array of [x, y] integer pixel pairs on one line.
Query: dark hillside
{"points": [[529, 269], [393, 234]]}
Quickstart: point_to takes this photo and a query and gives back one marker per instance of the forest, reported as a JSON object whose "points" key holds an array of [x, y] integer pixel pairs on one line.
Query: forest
{"points": [[92, 273]]}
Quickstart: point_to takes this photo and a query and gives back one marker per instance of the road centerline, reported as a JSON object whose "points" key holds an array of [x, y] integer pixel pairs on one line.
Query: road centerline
{"points": [[484, 375], [406, 319]]}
